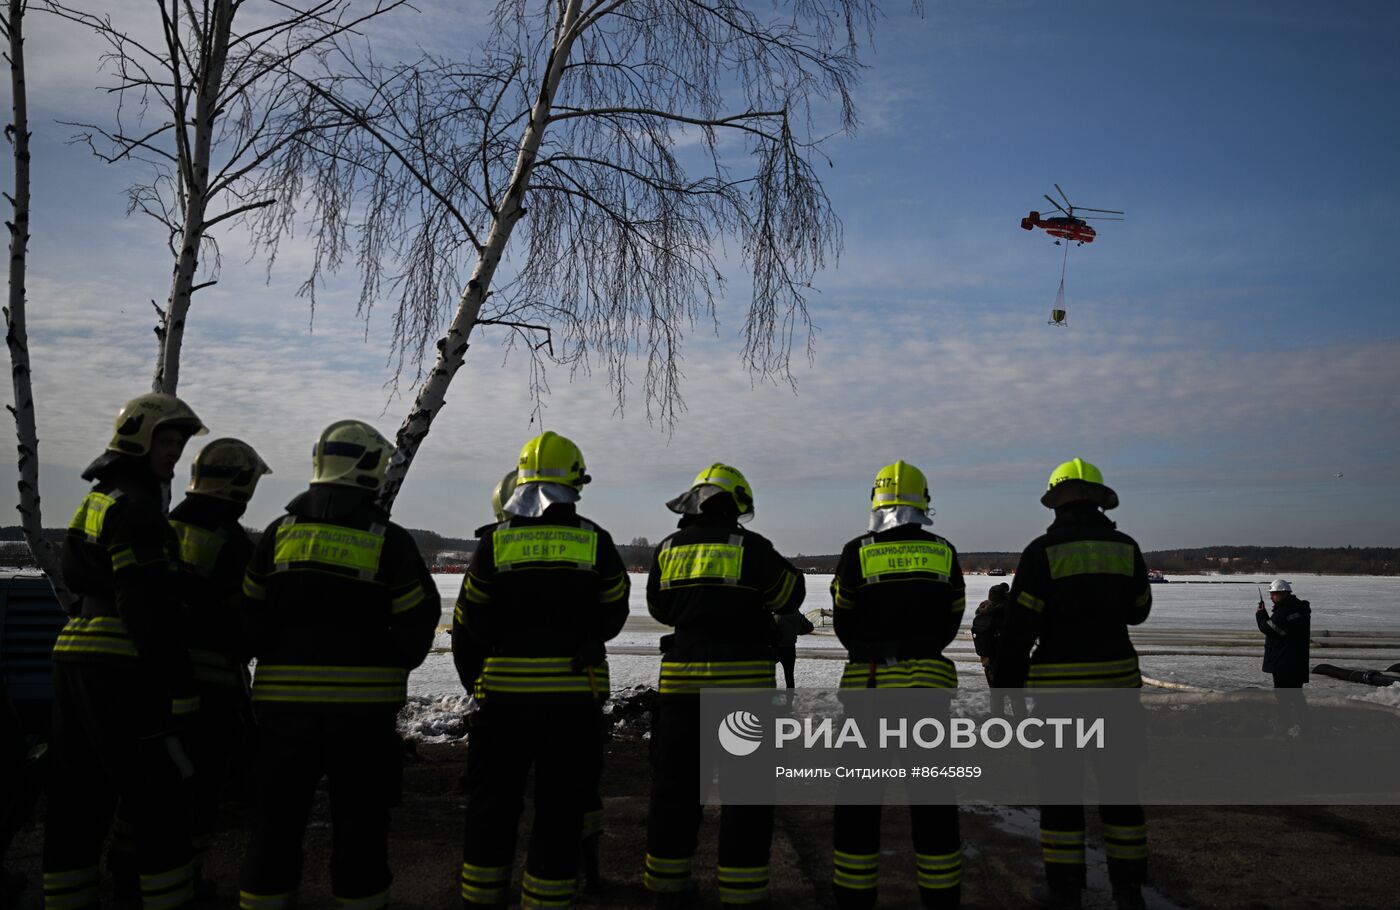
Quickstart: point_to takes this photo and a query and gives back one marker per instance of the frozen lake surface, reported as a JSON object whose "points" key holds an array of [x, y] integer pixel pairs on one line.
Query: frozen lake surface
{"points": [[1201, 633]]}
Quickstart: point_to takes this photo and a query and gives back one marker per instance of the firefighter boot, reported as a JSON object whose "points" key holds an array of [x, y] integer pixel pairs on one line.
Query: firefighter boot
{"points": [[126, 879], [852, 899], [1128, 897], [941, 899], [676, 900]]}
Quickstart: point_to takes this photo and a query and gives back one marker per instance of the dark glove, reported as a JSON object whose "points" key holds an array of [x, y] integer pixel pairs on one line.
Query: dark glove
{"points": [[666, 642], [791, 625], [590, 654]]}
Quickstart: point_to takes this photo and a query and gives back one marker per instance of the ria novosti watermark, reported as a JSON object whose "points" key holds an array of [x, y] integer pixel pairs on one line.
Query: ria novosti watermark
{"points": [[933, 733], [816, 746]]}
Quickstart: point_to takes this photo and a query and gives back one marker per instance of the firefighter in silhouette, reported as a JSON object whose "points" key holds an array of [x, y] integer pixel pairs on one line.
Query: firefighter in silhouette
{"points": [[1077, 589], [214, 554], [545, 590], [123, 689], [470, 659], [720, 585], [898, 599], [338, 608]]}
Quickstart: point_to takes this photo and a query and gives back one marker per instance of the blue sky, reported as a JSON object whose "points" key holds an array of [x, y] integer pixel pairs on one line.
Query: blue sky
{"points": [[1232, 346]]}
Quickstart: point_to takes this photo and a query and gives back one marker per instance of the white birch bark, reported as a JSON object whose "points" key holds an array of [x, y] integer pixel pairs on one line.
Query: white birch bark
{"points": [[194, 167], [452, 347], [45, 553]]}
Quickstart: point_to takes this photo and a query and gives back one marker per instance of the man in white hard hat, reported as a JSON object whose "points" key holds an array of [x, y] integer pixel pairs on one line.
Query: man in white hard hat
{"points": [[1286, 630]]}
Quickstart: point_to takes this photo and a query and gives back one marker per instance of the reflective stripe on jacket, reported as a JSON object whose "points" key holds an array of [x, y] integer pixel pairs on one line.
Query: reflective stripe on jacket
{"points": [[898, 599], [338, 604], [720, 586], [538, 602], [1076, 590], [912, 673]]}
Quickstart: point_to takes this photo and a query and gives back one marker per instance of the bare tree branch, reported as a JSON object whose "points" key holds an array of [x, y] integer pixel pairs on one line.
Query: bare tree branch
{"points": [[627, 141], [225, 104], [234, 213]]}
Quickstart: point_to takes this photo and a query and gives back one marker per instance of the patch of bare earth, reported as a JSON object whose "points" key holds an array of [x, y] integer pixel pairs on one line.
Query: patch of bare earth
{"points": [[1210, 857]]}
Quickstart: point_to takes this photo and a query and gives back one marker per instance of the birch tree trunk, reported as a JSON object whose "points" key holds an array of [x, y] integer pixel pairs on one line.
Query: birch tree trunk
{"points": [[194, 168], [17, 337], [431, 164], [452, 347]]}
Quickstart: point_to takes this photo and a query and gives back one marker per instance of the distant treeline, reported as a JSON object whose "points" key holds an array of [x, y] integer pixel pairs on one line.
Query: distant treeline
{"points": [[1277, 560], [440, 550], [1203, 560]]}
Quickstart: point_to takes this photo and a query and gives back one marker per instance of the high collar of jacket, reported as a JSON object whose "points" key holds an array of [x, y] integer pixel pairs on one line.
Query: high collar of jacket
{"points": [[558, 511], [130, 471], [1290, 600], [709, 520], [336, 502], [888, 518], [1080, 513], [208, 510]]}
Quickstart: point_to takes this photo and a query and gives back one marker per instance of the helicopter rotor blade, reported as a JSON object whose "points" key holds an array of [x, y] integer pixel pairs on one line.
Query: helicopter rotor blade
{"points": [[1064, 196], [1057, 205], [1109, 211], [1098, 218]]}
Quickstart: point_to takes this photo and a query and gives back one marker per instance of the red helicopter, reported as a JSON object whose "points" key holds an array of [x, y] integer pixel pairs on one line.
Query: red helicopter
{"points": [[1067, 224]]}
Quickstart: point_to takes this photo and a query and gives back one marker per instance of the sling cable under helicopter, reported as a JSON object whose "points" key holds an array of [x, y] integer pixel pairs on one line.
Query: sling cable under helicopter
{"points": [[1066, 226]]}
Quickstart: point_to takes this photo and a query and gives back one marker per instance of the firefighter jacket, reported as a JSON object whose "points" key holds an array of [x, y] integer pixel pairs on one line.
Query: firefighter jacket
{"points": [[898, 600], [468, 654], [538, 600], [214, 554], [1077, 589], [121, 557], [337, 606], [1286, 633], [720, 586]]}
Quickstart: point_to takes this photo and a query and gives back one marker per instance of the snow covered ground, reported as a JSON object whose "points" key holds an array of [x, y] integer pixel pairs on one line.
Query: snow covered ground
{"points": [[1201, 633]]}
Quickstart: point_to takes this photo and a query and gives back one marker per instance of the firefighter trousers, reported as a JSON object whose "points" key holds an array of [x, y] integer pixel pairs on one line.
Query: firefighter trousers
{"points": [[360, 755], [561, 742], [217, 739], [109, 754], [1061, 777], [1062, 845], [673, 822], [856, 854]]}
